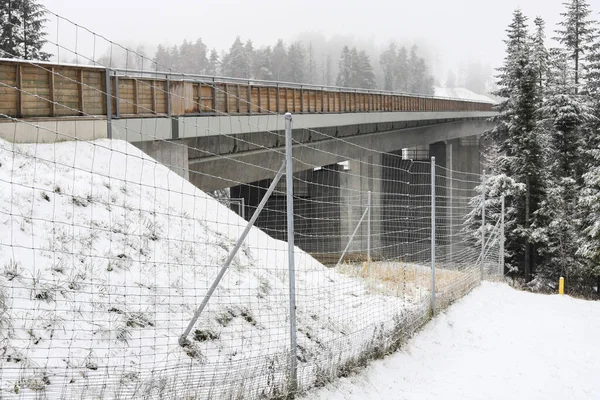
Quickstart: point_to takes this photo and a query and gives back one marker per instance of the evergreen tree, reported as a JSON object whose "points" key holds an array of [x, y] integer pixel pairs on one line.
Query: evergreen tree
{"points": [[161, 58], [344, 78], [296, 63], [518, 141], [365, 78], [577, 34], [540, 54], [388, 65], [278, 64], [22, 30], [262, 64], [402, 73], [235, 63], [213, 66]]}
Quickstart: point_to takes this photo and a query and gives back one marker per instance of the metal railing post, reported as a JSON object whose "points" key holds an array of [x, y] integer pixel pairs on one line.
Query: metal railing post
{"points": [[501, 266], [289, 181], [432, 236], [482, 223], [117, 102], [183, 338], [108, 104], [369, 227]]}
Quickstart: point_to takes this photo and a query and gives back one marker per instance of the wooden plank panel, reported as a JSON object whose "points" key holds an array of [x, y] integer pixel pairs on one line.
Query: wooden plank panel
{"points": [[207, 98], [244, 106], [66, 91], [221, 98], [126, 96], [254, 99], [145, 100]]}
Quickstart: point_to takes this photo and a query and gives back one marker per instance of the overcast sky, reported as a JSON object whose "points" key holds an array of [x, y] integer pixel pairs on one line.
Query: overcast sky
{"points": [[456, 29]]}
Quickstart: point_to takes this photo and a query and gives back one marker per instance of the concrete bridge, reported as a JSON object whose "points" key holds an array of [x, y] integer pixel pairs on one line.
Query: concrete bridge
{"points": [[228, 133]]}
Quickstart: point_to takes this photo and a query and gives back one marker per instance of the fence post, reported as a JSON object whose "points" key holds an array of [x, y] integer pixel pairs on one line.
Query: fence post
{"points": [[108, 104], [290, 236], [369, 228], [183, 338], [501, 266], [482, 223], [432, 236]]}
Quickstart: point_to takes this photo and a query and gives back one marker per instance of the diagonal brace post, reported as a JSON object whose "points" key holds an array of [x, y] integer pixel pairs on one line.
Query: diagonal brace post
{"points": [[352, 236], [183, 338]]}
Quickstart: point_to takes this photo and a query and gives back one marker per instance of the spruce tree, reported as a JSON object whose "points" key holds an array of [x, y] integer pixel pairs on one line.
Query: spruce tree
{"points": [[344, 77], [577, 34], [387, 60], [22, 30], [540, 54], [518, 141], [213, 67], [296, 63], [33, 18]]}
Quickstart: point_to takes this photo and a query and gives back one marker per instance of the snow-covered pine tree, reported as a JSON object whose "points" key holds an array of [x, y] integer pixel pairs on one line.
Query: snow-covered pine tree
{"points": [[401, 72], [387, 61], [559, 218], [235, 63], [345, 68], [279, 60], [540, 53], [296, 63], [11, 32], [33, 19], [517, 140], [365, 78], [577, 34], [213, 66]]}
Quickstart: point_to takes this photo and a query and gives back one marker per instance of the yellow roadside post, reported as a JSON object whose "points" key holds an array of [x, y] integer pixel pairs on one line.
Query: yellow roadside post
{"points": [[561, 285]]}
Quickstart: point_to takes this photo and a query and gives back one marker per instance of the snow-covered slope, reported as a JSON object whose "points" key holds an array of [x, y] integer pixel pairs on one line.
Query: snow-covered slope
{"points": [[105, 255], [461, 93], [496, 343]]}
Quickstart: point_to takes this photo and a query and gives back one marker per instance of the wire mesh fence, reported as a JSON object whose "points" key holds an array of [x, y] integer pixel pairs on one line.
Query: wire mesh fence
{"points": [[108, 247]]}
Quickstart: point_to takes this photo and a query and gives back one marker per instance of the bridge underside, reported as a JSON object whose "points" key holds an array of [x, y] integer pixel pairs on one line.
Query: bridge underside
{"points": [[330, 200], [222, 161]]}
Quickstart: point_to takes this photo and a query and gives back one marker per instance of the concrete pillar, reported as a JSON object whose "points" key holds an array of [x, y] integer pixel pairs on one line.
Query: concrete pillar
{"points": [[463, 159], [171, 155], [360, 177]]}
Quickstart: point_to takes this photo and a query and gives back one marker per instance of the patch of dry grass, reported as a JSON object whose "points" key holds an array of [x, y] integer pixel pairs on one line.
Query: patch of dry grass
{"points": [[409, 280]]}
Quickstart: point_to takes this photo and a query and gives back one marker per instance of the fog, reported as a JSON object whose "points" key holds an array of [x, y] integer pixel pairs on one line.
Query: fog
{"points": [[448, 32]]}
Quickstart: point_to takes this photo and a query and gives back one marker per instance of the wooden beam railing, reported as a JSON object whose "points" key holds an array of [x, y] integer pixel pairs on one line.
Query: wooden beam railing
{"points": [[39, 89]]}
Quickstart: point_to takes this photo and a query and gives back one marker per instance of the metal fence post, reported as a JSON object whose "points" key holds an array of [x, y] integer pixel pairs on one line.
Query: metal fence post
{"points": [[432, 236], [501, 266], [183, 338], [290, 236], [369, 227], [108, 104], [482, 223]]}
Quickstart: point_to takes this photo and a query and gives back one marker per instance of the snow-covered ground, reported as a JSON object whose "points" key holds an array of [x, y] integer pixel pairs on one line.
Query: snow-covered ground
{"points": [[495, 343], [105, 255]]}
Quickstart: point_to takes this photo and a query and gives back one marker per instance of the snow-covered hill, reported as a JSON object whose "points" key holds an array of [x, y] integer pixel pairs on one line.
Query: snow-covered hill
{"points": [[496, 343], [105, 255]]}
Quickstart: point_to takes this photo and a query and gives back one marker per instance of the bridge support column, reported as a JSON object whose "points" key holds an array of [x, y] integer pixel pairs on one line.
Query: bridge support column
{"points": [[456, 186], [172, 155], [362, 176]]}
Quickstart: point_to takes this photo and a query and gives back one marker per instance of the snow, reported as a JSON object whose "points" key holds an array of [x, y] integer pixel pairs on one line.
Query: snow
{"points": [[104, 257], [495, 343], [461, 93]]}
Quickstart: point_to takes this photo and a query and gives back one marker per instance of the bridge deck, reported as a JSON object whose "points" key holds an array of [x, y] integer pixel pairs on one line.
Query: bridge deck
{"points": [[39, 89]]}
